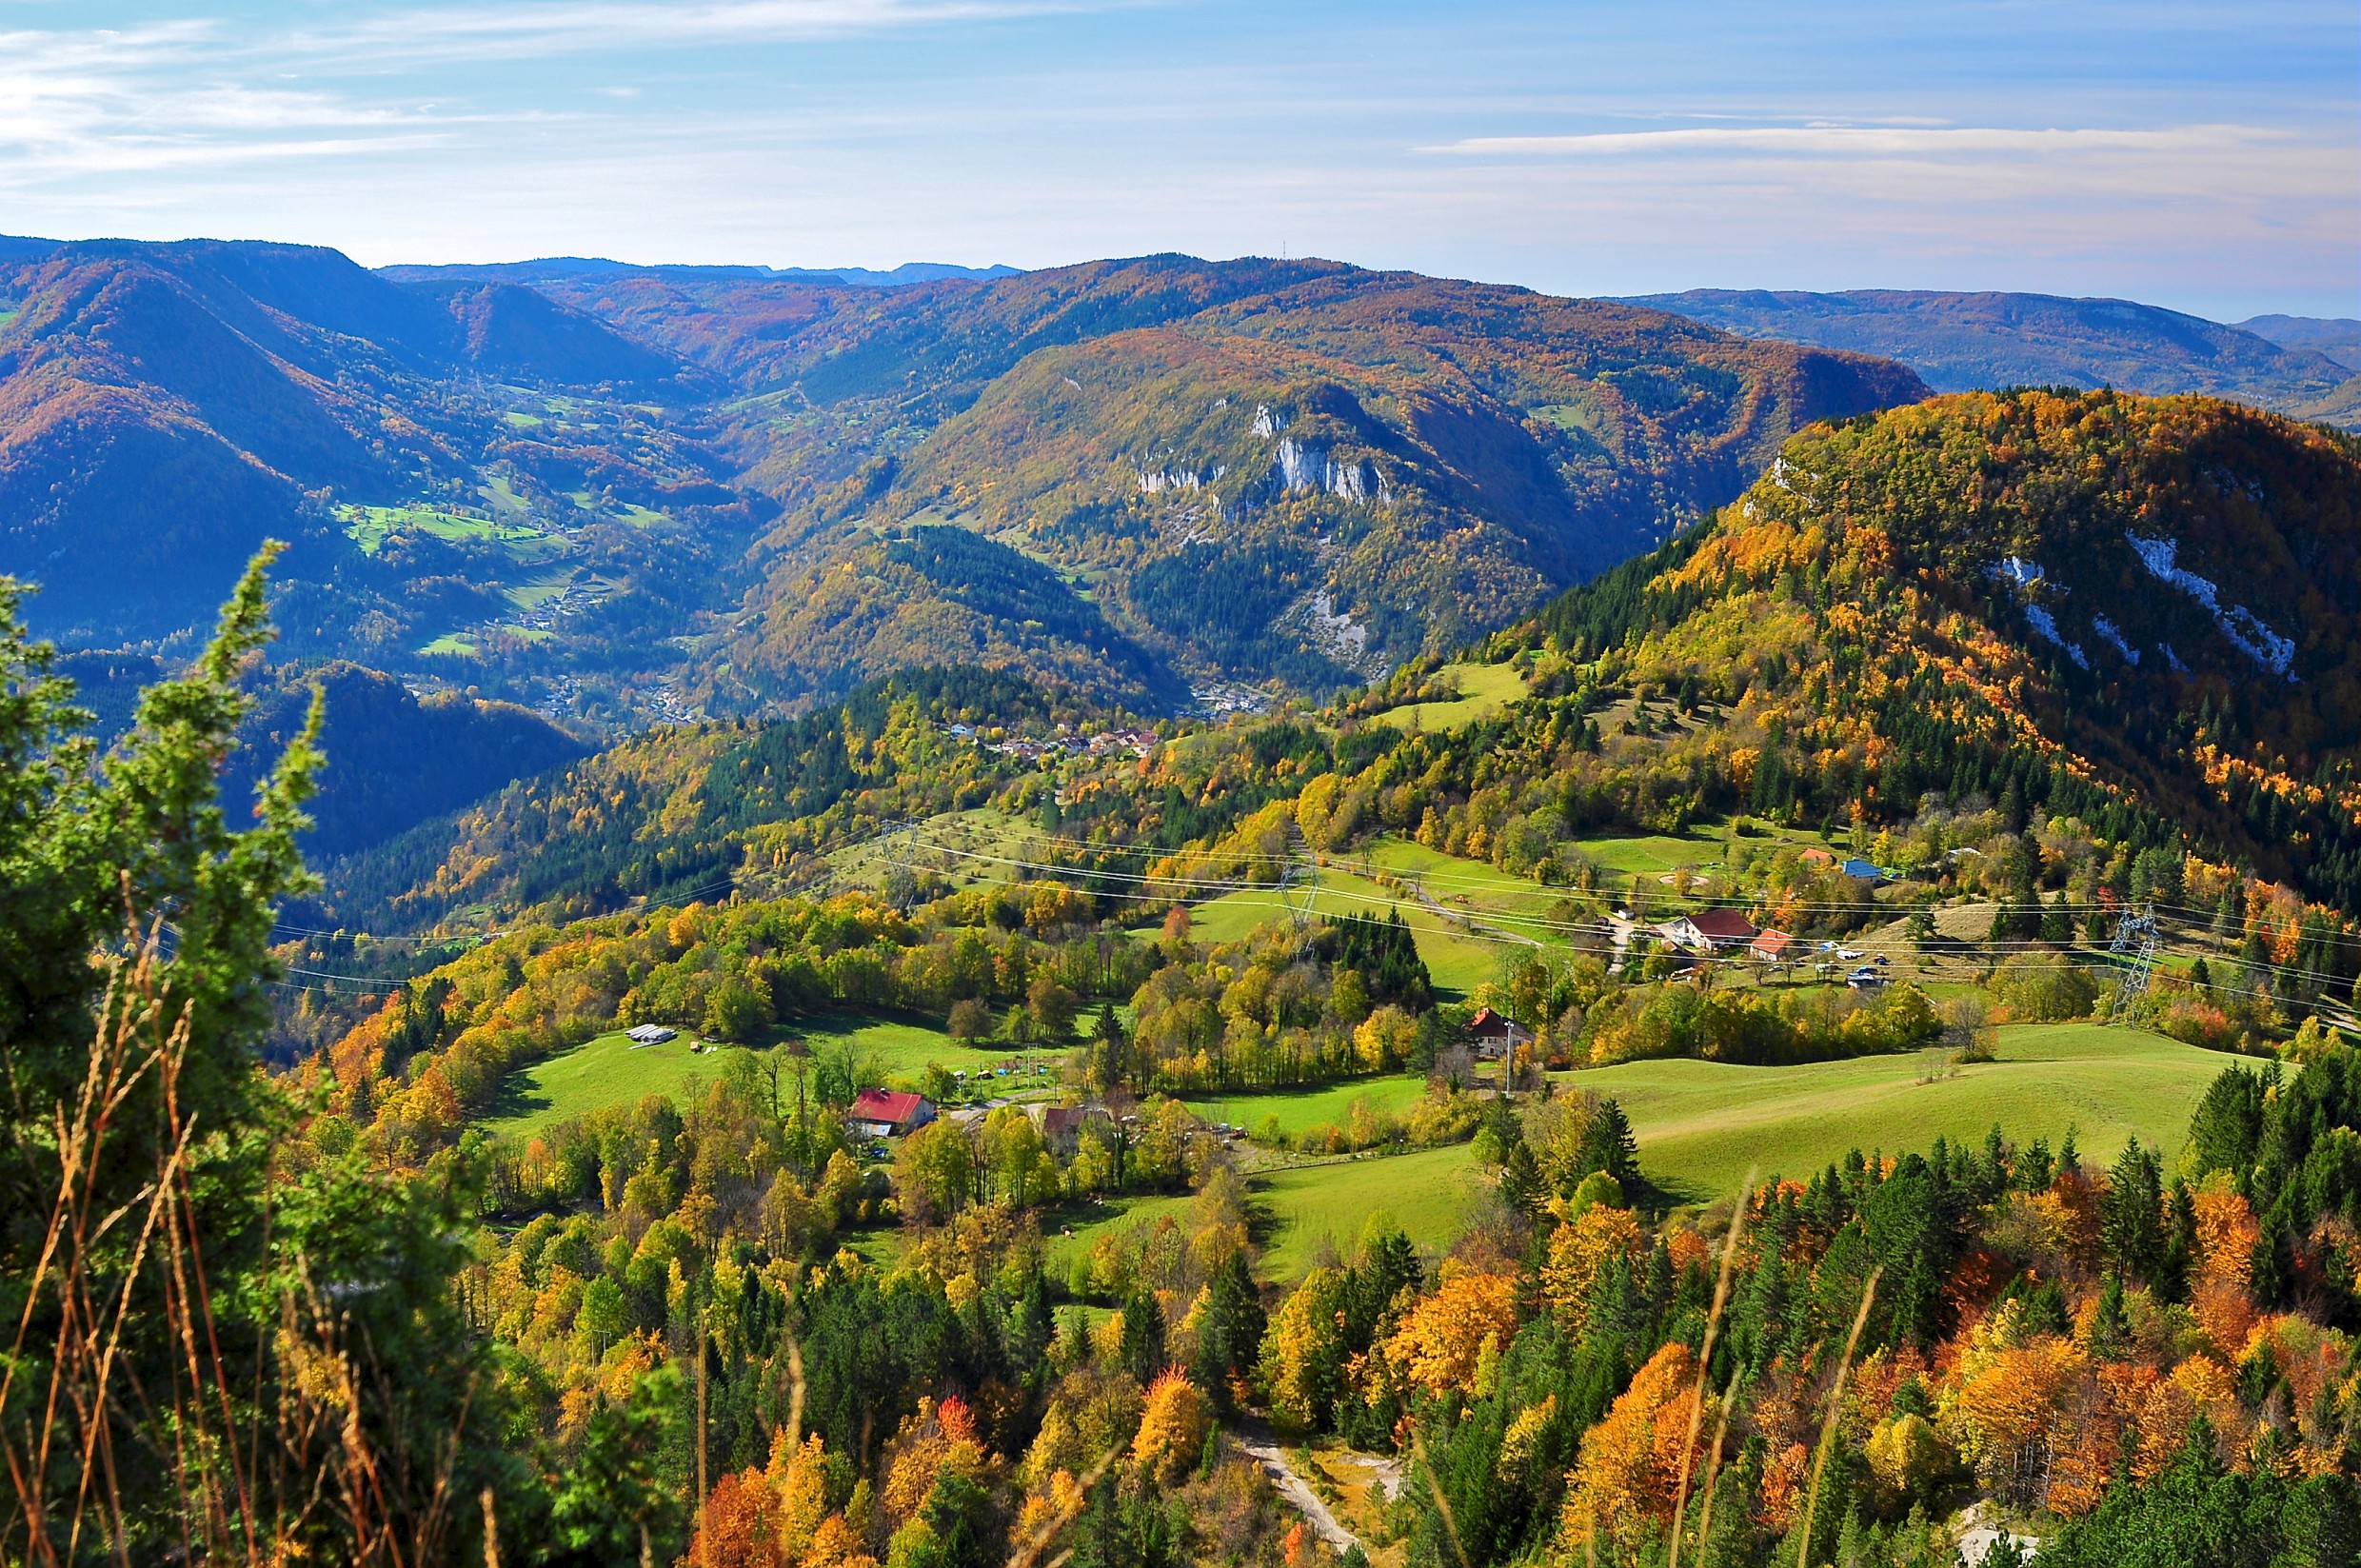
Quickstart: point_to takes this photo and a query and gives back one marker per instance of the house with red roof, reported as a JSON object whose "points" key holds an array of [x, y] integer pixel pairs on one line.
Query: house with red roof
{"points": [[1771, 946], [877, 1113], [1709, 930]]}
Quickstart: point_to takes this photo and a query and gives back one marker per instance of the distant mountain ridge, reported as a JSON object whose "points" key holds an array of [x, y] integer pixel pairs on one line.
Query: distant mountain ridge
{"points": [[558, 268], [1966, 342], [1375, 464], [2338, 337]]}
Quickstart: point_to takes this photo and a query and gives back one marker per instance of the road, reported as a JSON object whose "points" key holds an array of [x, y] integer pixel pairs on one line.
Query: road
{"points": [[1257, 1441]]}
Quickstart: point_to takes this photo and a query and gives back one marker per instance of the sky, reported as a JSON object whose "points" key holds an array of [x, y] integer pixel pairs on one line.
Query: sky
{"points": [[2205, 157]]}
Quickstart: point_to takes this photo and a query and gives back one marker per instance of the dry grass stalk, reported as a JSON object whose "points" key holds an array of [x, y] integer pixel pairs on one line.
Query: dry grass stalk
{"points": [[1713, 1463], [1835, 1408], [1705, 1361], [302, 1463]]}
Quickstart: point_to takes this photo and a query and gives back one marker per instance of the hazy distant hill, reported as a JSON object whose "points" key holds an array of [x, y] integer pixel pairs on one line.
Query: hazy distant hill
{"points": [[553, 269], [1962, 341], [445, 456], [2338, 337]]}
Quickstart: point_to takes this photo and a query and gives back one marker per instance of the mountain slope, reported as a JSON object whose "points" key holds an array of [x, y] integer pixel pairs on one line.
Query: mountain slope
{"points": [[2142, 606], [1970, 341], [393, 758], [2338, 337], [1379, 464]]}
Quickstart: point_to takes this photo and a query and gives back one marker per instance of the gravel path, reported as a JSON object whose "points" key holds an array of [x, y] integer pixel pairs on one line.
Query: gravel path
{"points": [[1266, 1451]]}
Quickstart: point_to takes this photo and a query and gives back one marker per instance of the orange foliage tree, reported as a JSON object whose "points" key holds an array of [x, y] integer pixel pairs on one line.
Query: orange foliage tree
{"points": [[1629, 1468], [1442, 1339]]}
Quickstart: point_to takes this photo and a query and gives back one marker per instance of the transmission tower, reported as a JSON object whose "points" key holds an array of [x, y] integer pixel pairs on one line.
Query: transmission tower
{"points": [[2136, 942]]}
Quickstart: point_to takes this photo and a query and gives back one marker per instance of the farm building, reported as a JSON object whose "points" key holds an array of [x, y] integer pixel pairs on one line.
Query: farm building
{"points": [[1771, 946], [879, 1114], [651, 1034], [1495, 1035], [1062, 1125], [1711, 929]]}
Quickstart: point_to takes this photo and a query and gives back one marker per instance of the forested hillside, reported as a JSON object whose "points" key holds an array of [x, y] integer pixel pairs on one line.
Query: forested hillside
{"points": [[1394, 463], [625, 496], [2137, 612]]}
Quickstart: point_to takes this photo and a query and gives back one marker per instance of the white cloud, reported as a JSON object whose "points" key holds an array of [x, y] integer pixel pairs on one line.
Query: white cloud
{"points": [[1866, 141], [575, 27]]}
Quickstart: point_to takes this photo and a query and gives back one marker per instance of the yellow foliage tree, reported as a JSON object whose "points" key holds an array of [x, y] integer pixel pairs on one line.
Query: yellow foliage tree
{"points": [[938, 1440], [1442, 1340], [1304, 1349], [1172, 1428], [1580, 1251]]}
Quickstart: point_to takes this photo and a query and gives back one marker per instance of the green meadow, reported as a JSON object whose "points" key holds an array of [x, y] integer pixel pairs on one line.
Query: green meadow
{"points": [[609, 1070], [1484, 690], [1300, 1111], [1702, 1125], [1459, 961], [371, 526]]}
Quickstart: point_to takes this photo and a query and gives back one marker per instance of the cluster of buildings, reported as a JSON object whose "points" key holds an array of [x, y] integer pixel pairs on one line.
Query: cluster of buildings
{"points": [[1135, 743]]}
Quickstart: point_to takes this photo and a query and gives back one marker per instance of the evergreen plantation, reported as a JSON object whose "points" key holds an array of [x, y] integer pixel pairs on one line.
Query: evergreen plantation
{"points": [[1977, 683]]}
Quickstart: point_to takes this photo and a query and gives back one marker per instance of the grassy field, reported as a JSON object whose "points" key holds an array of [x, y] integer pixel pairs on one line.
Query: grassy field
{"points": [[1458, 961], [1301, 1109], [455, 643], [371, 526], [1484, 690], [1651, 854], [606, 1071], [965, 846], [1703, 1124], [1307, 1207], [902, 1048], [1427, 1193], [609, 1070]]}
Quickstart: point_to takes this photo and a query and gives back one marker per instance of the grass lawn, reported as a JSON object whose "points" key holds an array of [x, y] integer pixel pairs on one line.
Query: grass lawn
{"points": [[1703, 1124], [609, 1070], [1427, 1193], [1299, 1109], [457, 644], [1458, 962], [1484, 690]]}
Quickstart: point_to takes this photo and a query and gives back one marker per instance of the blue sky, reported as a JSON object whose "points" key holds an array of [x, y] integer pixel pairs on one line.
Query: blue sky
{"points": [[2207, 157]]}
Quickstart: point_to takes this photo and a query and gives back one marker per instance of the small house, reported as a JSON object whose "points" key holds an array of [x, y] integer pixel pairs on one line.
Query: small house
{"points": [[877, 1113], [651, 1034], [1861, 870], [1815, 856], [1711, 930], [1771, 946], [1061, 1126], [1495, 1035]]}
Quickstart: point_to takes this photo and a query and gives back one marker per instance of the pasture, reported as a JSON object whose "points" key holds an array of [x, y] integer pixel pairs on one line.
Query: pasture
{"points": [[1302, 1210], [371, 526], [1459, 961], [609, 1070], [1484, 690], [1701, 1125], [1298, 1110]]}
